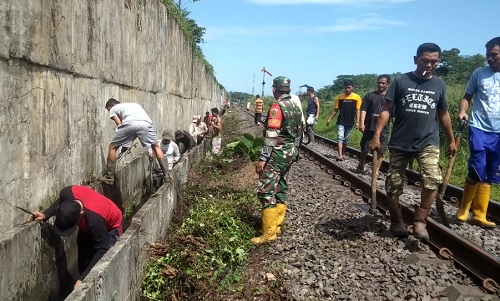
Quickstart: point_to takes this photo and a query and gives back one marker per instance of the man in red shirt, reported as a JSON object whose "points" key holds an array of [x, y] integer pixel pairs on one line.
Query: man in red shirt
{"points": [[98, 219]]}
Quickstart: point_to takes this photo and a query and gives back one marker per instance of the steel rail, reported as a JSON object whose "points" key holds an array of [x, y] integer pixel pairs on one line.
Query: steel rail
{"points": [[452, 194], [482, 265]]}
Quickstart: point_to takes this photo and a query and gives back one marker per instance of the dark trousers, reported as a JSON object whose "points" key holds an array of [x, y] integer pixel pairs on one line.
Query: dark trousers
{"points": [[86, 250], [257, 117]]}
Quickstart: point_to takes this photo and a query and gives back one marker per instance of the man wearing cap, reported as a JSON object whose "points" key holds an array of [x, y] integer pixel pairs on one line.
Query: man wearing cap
{"points": [[193, 128], [202, 130], [132, 122], [283, 129], [170, 150], [98, 219]]}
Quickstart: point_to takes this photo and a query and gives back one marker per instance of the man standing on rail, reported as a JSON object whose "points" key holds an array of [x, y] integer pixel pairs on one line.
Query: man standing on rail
{"points": [[484, 137], [419, 101], [347, 105], [283, 129], [370, 110], [258, 106]]}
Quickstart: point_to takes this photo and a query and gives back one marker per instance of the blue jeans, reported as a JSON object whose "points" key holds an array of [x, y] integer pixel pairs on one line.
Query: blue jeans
{"points": [[343, 133]]}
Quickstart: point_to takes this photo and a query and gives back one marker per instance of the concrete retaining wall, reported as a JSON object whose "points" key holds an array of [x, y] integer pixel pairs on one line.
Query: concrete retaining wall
{"points": [[59, 63]]}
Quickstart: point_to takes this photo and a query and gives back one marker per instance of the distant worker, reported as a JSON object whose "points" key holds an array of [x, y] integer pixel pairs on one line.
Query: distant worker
{"points": [[282, 131], [347, 105], [193, 128], [132, 122], [202, 130], [420, 106], [184, 141], [170, 150], [370, 110], [312, 108], [258, 107], [484, 137], [217, 132], [98, 219]]}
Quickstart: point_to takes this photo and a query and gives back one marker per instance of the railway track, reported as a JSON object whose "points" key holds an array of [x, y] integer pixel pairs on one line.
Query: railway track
{"points": [[453, 193], [482, 265]]}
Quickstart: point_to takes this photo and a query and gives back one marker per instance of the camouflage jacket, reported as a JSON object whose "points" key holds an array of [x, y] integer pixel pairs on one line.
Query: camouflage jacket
{"points": [[283, 128]]}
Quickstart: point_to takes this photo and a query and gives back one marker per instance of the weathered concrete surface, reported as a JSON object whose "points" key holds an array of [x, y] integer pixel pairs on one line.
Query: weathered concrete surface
{"points": [[119, 273], [59, 63]]}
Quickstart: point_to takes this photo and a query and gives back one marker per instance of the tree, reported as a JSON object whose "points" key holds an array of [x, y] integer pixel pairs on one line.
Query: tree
{"points": [[456, 68]]}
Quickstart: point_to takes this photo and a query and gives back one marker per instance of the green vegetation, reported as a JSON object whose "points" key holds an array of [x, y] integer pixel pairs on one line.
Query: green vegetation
{"points": [[131, 207], [208, 251], [248, 147]]}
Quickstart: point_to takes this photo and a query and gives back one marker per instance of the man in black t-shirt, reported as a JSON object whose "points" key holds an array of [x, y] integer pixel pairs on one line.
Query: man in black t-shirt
{"points": [[370, 110], [347, 105], [420, 106]]}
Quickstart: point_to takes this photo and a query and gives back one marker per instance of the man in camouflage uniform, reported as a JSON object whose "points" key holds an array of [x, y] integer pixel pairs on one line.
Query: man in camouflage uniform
{"points": [[283, 128]]}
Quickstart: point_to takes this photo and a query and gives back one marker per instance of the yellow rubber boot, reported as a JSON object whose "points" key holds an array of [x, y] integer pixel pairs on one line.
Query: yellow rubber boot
{"points": [[470, 189], [480, 206], [269, 218], [280, 212]]}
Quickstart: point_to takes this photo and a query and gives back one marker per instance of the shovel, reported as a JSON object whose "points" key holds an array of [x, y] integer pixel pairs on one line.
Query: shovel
{"points": [[446, 180]]}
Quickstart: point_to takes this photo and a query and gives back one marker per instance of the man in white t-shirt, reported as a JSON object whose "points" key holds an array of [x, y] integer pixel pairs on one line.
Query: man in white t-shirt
{"points": [[132, 122], [193, 128]]}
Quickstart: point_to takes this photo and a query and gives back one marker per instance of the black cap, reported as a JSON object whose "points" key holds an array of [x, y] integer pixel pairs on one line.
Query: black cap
{"points": [[67, 216]]}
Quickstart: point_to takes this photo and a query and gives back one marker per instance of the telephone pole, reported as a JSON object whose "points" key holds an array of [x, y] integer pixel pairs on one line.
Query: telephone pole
{"points": [[264, 71]]}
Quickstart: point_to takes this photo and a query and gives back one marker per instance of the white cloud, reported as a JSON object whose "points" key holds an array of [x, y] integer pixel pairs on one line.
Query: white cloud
{"points": [[332, 2], [362, 23]]}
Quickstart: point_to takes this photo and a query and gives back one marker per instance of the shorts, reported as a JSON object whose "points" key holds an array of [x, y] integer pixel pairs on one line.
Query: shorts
{"points": [[368, 136], [484, 160], [430, 171], [216, 145], [343, 133], [126, 134]]}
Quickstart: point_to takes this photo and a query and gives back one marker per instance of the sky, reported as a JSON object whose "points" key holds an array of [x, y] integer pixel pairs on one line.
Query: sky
{"points": [[314, 41]]}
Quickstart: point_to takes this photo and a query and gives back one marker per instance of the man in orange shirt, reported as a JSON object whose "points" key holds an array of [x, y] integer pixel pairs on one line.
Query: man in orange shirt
{"points": [[258, 107]]}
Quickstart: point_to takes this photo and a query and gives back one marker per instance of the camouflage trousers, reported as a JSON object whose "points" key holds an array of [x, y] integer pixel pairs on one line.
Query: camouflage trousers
{"points": [[273, 185], [430, 170]]}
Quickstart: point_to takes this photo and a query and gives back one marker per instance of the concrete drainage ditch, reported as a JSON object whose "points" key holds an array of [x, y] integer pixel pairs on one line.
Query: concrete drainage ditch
{"points": [[37, 265]]}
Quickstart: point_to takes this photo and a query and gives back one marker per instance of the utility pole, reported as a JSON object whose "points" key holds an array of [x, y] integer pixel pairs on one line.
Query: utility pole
{"points": [[253, 85], [264, 71]]}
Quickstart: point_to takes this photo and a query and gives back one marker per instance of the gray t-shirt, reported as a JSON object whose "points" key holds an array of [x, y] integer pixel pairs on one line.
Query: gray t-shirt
{"points": [[129, 112], [416, 102]]}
